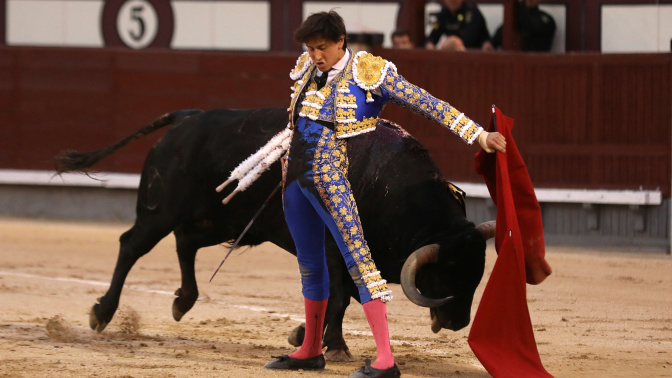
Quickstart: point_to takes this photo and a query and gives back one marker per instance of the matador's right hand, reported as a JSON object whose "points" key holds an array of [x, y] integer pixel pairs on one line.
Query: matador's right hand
{"points": [[492, 142]]}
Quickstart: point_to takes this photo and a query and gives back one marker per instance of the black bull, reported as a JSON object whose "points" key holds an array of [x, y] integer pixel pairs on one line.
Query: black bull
{"points": [[404, 203]]}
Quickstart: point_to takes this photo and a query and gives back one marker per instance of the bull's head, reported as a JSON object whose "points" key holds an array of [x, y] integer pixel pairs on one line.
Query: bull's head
{"points": [[445, 277]]}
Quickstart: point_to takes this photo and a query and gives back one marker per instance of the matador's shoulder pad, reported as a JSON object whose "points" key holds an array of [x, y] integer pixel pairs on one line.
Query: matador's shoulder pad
{"points": [[302, 65], [369, 70]]}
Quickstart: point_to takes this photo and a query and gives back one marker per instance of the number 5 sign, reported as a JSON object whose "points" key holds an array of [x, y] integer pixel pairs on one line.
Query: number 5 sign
{"points": [[138, 24]]}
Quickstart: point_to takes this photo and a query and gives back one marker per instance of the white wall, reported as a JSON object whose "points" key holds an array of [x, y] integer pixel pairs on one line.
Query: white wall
{"points": [[228, 25], [636, 28], [493, 14], [54, 23], [233, 25], [245, 25]]}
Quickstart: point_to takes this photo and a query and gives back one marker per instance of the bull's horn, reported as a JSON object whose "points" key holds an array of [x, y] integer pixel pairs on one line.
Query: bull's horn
{"points": [[487, 229], [424, 255], [430, 254]]}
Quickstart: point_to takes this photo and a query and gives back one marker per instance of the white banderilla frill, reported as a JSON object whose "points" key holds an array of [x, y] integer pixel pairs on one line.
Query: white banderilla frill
{"points": [[251, 168]]}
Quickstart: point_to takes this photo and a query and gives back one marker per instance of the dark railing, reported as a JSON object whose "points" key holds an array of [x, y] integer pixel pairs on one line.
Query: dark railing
{"points": [[582, 32], [581, 120]]}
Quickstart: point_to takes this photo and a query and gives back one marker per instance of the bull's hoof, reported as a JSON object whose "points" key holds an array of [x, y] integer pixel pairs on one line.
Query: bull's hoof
{"points": [[183, 303], [339, 355], [296, 336], [95, 323], [177, 314]]}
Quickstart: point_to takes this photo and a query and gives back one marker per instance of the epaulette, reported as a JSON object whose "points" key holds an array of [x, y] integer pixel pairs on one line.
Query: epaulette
{"points": [[369, 70], [302, 65]]}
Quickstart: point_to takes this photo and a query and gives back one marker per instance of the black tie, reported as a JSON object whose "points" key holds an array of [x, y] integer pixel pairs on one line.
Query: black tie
{"points": [[321, 80]]}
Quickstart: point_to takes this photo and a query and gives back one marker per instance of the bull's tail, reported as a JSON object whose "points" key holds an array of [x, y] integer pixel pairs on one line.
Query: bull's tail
{"points": [[71, 160]]}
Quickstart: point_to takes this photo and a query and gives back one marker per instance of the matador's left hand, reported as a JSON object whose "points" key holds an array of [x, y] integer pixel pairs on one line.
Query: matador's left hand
{"points": [[492, 141]]}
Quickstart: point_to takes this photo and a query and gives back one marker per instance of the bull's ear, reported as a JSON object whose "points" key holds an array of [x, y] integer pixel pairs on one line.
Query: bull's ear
{"points": [[458, 194]]}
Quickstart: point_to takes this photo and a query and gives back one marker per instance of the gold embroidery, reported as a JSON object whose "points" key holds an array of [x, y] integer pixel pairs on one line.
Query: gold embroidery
{"points": [[369, 69], [314, 100], [420, 101], [346, 99], [354, 128], [470, 133], [343, 114], [302, 64], [337, 197], [297, 92], [343, 85]]}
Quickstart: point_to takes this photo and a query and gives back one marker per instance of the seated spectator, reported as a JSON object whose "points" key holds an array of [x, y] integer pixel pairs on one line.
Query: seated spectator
{"points": [[401, 39], [463, 26], [536, 27]]}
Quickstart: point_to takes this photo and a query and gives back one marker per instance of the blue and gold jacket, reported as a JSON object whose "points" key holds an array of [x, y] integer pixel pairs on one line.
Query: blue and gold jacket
{"points": [[355, 97]]}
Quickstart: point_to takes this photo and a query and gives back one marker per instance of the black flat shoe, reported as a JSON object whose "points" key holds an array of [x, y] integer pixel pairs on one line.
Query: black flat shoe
{"points": [[368, 371], [285, 362]]}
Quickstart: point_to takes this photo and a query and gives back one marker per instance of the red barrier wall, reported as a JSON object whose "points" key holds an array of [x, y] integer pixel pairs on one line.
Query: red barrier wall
{"points": [[582, 121], [84, 99]]}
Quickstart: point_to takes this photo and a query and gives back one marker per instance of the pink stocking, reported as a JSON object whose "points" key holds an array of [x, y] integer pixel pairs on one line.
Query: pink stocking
{"points": [[312, 342], [377, 317]]}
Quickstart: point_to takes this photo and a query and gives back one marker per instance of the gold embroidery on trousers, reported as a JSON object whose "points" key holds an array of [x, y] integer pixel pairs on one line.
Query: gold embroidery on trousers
{"points": [[334, 189]]}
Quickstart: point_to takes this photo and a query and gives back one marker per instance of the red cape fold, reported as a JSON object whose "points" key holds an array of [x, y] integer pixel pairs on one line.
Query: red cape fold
{"points": [[501, 335]]}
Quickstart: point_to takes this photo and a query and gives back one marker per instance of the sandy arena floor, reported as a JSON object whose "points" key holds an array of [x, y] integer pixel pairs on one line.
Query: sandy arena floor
{"points": [[601, 314]]}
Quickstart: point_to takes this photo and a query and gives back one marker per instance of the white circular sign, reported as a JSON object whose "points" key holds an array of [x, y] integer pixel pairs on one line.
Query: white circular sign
{"points": [[137, 23]]}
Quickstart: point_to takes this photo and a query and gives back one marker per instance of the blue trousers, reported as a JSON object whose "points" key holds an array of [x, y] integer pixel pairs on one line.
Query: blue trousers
{"points": [[317, 197]]}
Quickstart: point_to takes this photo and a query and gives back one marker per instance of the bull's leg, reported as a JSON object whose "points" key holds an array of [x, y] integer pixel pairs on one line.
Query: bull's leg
{"points": [[190, 237], [340, 289], [134, 243], [337, 349], [187, 294]]}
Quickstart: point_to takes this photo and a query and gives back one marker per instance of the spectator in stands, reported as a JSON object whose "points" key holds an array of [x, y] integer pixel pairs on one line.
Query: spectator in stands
{"points": [[401, 39], [463, 26], [536, 27]]}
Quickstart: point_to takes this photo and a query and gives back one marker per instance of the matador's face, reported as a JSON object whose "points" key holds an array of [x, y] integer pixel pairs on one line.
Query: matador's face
{"points": [[325, 53]]}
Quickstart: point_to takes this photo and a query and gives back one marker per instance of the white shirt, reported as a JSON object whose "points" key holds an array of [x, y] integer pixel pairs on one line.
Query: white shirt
{"points": [[338, 67]]}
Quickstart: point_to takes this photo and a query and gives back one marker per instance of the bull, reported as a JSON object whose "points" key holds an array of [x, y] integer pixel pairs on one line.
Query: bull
{"points": [[414, 220]]}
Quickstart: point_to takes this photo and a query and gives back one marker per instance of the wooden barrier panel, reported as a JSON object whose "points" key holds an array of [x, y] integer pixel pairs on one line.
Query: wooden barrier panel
{"points": [[581, 120]]}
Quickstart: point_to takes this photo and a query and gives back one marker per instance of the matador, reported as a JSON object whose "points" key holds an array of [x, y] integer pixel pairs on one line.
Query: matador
{"points": [[337, 95]]}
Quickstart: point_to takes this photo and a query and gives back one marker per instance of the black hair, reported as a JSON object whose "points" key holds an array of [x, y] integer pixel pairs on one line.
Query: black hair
{"points": [[327, 25], [401, 33]]}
